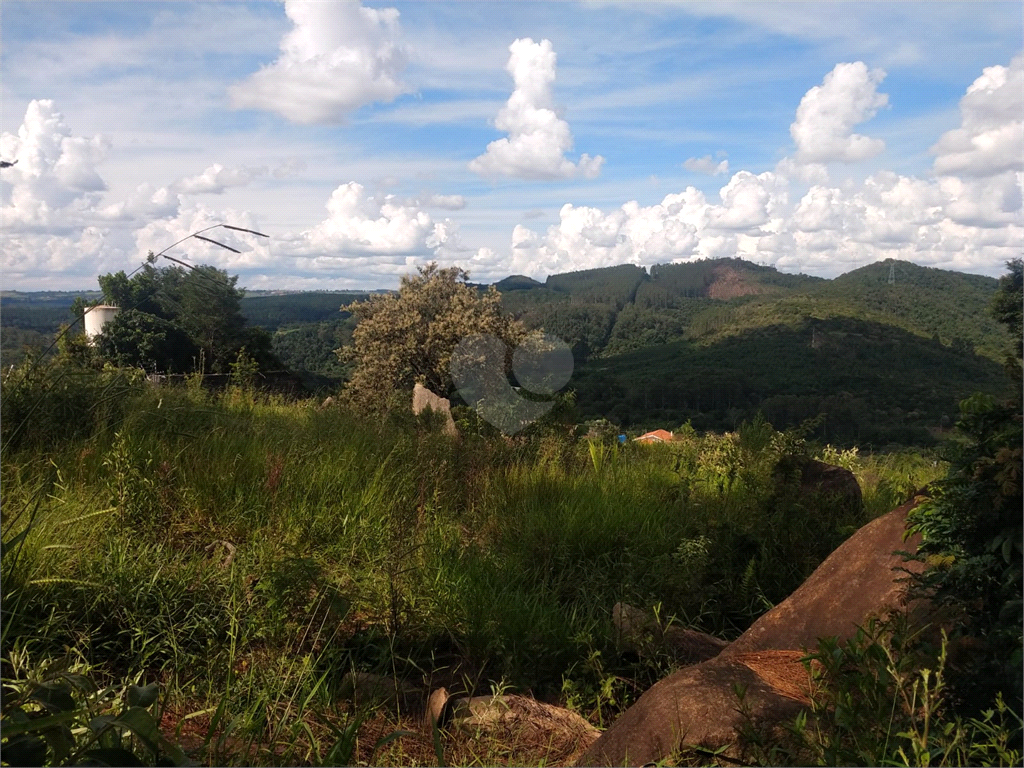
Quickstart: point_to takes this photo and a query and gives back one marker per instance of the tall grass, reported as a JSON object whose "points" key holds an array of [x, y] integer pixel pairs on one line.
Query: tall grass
{"points": [[248, 551]]}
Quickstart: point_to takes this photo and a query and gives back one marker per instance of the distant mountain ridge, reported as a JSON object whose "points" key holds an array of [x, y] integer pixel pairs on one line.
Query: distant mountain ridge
{"points": [[714, 342], [616, 309]]}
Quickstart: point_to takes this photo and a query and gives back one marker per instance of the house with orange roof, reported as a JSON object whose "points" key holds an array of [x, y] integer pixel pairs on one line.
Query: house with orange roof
{"points": [[657, 436]]}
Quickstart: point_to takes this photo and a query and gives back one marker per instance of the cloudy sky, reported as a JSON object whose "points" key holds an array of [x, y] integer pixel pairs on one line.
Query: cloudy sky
{"points": [[525, 138]]}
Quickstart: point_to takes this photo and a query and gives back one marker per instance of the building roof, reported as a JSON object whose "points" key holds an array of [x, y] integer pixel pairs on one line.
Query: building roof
{"points": [[657, 436]]}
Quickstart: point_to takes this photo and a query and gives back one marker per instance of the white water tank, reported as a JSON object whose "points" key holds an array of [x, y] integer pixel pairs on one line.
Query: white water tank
{"points": [[96, 317]]}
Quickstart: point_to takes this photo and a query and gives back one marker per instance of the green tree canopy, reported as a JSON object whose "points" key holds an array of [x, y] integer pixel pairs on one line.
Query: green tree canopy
{"points": [[409, 337], [173, 317], [1008, 303], [973, 523]]}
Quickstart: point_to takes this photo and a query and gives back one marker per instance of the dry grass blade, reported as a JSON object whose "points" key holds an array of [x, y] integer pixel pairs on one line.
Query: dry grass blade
{"points": [[210, 240], [243, 229]]}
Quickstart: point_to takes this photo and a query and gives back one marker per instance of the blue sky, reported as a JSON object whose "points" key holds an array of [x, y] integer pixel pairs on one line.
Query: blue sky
{"points": [[508, 137]]}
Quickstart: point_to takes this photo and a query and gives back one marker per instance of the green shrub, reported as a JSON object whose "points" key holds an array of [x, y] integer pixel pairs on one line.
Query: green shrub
{"points": [[881, 699], [56, 714], [48, 404]]}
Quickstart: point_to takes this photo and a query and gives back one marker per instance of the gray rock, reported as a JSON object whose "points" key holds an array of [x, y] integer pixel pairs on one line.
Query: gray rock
{"points": [[514, 719], [832, 489], [437, 712]]}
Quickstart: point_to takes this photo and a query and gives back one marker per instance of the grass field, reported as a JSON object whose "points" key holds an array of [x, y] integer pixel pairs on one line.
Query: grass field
{"points": [[246, 552]]}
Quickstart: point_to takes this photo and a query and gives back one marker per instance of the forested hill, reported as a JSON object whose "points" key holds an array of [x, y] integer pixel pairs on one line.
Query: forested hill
{"points": [[620, 309], [876, 360]]}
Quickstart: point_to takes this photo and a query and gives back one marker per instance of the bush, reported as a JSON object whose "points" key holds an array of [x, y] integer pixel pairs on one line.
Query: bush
{"points": [[51, 403], [58, 715], [881, 699]]}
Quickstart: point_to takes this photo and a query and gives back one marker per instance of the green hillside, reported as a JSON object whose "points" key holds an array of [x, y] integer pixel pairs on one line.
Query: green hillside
{"points": [[718, 297], [874, 383], [611, 285], [715, 341], [517, 283], [273, 312], [951, 305], [29, 320]]}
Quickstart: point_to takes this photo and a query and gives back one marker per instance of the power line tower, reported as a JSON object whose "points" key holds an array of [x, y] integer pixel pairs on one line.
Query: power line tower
{"points": [[892, 274]]}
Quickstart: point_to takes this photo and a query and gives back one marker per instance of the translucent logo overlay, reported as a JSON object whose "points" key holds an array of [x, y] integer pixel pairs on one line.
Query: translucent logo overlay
{"points": [[542, 365]]}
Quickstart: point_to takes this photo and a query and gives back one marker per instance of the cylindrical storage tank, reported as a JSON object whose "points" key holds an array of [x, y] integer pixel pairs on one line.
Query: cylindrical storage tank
{"points": [[97, 317]]}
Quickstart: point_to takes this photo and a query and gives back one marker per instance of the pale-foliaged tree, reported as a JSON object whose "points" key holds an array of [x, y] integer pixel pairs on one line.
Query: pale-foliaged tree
{"points": [[409, 337]]}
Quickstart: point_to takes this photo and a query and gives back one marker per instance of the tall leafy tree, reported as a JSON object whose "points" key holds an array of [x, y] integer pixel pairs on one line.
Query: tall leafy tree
{"points": [[409, 337], [173, 317]]}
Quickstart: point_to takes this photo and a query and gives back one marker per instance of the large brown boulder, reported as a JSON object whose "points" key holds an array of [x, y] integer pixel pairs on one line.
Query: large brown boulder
{"points": [[862, 577], [697, 705]]}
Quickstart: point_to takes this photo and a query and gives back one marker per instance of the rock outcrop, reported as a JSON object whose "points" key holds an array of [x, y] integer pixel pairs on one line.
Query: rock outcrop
{"points": [[423, 398], [698, 705], [513, 720], [861, 578], [836, 486]]}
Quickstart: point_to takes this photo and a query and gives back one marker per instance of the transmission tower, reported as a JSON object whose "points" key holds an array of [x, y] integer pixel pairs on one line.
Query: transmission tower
{"points": [[892, 274]]}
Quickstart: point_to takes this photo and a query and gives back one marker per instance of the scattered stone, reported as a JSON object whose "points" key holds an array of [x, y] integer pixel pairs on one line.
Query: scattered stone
{"points": [[229, 552], [436, 711], [835, 485], [640, 632], [423, 398], [518, 721]]}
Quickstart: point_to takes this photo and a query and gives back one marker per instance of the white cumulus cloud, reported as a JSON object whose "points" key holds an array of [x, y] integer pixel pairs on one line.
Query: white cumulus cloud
{"points": [[55, 175], [823, 129], [947, 222], [808, 173], [537, 137], [990, 139], [337, 57], [706, 165], [681, 227], [145, 203], [216, 179], [359, 224]]}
